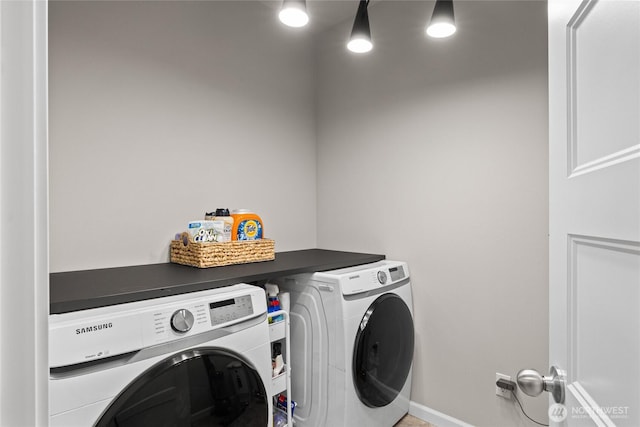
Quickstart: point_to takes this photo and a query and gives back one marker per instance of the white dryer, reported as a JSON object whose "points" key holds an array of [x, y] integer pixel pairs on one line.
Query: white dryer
{"points": [[352, 342], [201, 358]]}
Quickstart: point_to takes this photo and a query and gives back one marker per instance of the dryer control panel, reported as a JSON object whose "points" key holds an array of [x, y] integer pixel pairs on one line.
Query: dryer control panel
{"points": [[365, 278]]}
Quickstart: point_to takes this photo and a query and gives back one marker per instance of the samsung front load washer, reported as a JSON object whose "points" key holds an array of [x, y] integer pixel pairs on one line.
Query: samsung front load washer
{"points": [[352, 346], [197, 359]]}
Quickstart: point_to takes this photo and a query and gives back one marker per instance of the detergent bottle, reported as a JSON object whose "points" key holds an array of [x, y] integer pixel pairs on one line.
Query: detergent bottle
{"points": [[246, 225]]}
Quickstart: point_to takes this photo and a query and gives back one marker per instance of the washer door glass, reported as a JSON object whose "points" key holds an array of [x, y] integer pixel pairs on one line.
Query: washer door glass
{"points": [[202, 387], [383, 351]]}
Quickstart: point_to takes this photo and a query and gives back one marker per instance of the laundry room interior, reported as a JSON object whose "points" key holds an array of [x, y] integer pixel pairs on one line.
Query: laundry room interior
{"points": [[429, 151]]}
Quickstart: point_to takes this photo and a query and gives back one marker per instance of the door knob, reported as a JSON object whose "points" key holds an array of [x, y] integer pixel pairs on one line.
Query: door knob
{"points": [[532, 383]]}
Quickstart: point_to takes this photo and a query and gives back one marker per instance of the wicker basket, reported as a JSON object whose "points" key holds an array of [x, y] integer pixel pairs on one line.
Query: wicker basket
{"points": [[204, 255]]}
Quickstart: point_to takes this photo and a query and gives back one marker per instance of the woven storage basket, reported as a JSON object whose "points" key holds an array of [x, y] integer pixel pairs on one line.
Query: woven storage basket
{"points": [[203, 255]]}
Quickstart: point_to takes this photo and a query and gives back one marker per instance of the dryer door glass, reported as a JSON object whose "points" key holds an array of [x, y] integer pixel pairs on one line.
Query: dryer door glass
{"points": [[383, 351], [202, 387]]}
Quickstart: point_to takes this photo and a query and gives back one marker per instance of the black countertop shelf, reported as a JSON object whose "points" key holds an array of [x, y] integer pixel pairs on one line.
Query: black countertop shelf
{"points": [[81, 290]]}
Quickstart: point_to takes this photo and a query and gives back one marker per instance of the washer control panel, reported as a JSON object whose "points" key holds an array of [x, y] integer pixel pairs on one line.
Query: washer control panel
{"points": [[230, 309], [200, 316], [88, 335]]}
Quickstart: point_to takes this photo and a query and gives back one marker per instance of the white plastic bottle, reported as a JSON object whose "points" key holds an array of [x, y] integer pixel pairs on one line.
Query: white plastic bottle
{"points": [[223, 223], [222, 214]]}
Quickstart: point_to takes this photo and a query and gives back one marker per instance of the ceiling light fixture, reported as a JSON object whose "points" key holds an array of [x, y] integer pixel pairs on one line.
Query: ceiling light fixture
{"points": [[442, 21], [360, 41], [294, 13]]}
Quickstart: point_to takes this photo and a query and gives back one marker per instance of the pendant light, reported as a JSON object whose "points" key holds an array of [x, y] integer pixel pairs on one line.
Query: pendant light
{"points": [[294, 13], [360, 41], [442, 21]]}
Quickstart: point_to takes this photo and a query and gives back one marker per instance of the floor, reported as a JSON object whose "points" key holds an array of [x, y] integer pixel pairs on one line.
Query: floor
{"points": [[410, 421]]}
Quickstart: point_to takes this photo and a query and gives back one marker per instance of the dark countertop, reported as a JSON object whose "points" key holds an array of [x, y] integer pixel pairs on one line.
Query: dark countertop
{"points": [[80, 290]]}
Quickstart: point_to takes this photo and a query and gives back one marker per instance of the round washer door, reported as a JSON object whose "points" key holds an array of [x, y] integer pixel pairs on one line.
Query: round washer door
{"points": [[383, 351], [201, 387]]}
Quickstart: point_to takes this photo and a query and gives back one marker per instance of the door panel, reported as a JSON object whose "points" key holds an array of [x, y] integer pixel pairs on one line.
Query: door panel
{"points": [[603, 37], [603, 316], [594, 165]]}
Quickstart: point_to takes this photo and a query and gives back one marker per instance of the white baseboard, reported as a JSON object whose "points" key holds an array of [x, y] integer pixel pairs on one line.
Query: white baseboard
{"points": [[434, 417]]}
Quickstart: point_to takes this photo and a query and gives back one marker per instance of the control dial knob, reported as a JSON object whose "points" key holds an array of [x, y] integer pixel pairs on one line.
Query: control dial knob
{"points": [[181, 320], [382, 277]]}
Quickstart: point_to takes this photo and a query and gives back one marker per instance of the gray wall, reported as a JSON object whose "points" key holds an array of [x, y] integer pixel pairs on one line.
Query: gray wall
{"points": [[435, 152], [160, 111]]}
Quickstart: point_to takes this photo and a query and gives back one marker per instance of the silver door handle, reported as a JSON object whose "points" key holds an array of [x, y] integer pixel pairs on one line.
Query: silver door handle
{"points": [[532, 383]]}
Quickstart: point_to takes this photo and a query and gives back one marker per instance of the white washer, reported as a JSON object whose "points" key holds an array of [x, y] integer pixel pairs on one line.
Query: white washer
{"points": [[352, 341], [201, 358]]}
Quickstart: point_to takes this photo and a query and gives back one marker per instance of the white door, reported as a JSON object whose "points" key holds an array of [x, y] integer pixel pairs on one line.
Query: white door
{"points": [[594, 89], [24, 235]]}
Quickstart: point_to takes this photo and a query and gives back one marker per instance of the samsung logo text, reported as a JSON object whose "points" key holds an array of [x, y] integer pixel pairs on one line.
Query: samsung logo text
{"points": [[94, 328]]}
